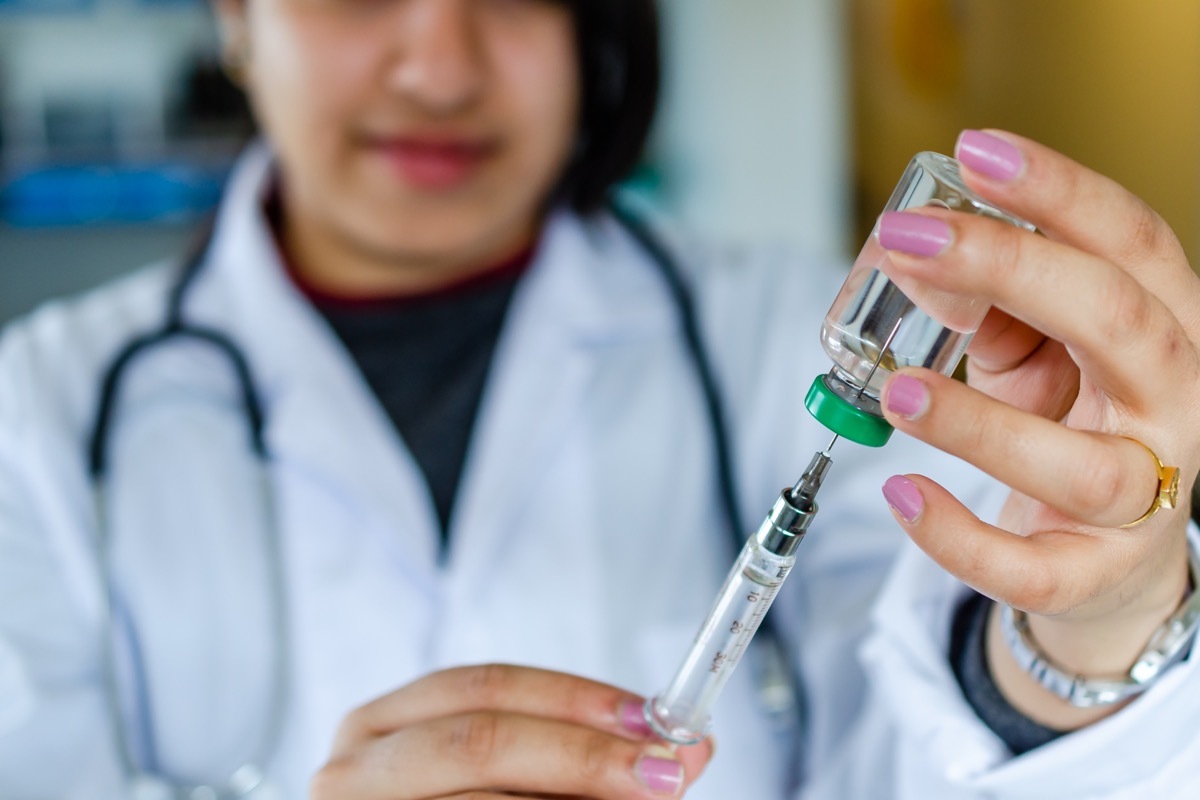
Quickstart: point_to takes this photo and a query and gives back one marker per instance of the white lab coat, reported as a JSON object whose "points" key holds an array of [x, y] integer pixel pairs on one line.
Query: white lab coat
{"points": [[586, 537]]}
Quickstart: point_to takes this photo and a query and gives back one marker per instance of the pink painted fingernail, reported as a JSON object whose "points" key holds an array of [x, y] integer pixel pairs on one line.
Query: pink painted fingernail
{"points": [[660, 775], [633, 719], [907, 396], [904, 496], [913, 233], [989, 155]]}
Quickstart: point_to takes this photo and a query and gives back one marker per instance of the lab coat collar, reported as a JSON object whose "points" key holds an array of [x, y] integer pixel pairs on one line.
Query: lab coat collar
{"points": [[587, 289]]}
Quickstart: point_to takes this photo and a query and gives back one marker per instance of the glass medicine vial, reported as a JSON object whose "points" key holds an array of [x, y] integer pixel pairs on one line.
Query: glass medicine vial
{"points": [[877, 326]]}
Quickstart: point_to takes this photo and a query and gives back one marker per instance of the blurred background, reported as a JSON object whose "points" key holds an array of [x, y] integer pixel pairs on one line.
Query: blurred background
{"points": [[784, 121]]}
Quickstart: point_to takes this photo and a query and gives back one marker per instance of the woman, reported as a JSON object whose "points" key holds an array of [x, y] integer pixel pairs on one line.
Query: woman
{"points": [[487, 447]]}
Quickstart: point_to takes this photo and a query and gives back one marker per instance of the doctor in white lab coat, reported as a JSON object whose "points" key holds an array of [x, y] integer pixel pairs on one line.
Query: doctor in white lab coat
{"points": [[410, 147]]}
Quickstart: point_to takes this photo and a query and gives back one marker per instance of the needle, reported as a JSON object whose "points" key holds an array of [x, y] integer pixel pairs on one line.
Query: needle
{"points": [[870, 375], [882, 351]]}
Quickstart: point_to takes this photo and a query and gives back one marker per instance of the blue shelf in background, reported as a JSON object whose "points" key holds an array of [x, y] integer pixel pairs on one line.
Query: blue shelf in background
{"points": [[47, 7], [106, 194], [56, 7]]}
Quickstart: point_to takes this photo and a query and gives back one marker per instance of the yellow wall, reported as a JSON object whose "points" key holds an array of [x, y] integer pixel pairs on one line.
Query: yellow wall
{"points": [[1115, 84]]}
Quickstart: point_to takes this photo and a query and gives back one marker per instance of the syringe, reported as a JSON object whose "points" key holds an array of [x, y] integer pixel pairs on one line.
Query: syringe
{"points": [[681, 713]]}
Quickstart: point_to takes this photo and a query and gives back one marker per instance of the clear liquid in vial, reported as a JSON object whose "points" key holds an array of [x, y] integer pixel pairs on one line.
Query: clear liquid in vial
{"points": [[934, 327], [866, 313]]}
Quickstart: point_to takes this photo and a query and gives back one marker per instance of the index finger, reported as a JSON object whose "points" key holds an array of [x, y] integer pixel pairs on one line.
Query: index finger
{"points": [[1078, 206], [497, 687], [450, 756]]}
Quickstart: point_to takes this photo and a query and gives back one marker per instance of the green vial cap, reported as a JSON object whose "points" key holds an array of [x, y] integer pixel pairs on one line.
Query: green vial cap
{"points": [[845, 419]]}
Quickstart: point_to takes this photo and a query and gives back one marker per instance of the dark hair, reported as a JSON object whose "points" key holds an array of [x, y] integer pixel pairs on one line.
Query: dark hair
{"points": [[620, 75]]}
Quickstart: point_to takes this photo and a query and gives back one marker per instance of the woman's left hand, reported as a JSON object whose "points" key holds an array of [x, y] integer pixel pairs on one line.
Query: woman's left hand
{"points": [[1092, 346]]}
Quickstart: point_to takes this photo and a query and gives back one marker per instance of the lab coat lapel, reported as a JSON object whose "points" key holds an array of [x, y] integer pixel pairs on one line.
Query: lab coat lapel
{"points": [[323, 420], [575, 304], [586, 292]]}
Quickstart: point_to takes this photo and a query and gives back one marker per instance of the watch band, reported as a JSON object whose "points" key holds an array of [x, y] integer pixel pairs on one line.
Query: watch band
{"points": [[1167, 646]]}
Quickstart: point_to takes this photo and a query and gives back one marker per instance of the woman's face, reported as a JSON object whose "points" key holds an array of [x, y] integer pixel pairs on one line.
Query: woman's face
{"points": [[427, 130]]}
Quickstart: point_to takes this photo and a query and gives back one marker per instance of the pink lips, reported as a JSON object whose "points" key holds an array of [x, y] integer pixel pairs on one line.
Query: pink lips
{"points": [[434, 163]]}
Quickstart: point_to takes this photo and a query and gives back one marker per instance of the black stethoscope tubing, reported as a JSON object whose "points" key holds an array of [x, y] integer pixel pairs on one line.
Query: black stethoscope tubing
{"points": [[175, 327]]}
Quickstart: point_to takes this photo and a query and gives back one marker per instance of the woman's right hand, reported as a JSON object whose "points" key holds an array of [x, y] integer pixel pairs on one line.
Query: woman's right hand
{"points": [[503, 731]]}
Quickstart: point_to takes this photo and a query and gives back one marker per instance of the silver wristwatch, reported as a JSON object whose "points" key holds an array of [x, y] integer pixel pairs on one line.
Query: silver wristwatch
{"points": [[1167, 646]]}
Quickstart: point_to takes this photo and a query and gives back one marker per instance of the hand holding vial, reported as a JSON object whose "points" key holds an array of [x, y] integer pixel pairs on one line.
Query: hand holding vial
{"points": [[1084, 349], [1082, 384]]}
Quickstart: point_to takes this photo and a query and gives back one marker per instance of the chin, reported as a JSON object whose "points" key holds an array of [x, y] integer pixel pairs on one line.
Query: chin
{"points": [[432, 238], [442, 227]]}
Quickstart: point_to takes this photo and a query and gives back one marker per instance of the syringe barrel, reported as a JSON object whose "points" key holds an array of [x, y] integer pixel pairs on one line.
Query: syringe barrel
{"points": [[682, 712]]}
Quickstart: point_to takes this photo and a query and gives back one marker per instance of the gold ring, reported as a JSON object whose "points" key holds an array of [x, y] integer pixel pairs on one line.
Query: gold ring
{"points": [[1168, 486]]}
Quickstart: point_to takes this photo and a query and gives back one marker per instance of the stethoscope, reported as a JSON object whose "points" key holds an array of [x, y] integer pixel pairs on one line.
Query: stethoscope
{"points": [[779, 681], [146, 778]]}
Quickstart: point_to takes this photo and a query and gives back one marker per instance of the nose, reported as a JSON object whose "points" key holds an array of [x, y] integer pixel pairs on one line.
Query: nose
{"points": [[439, 63]]}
